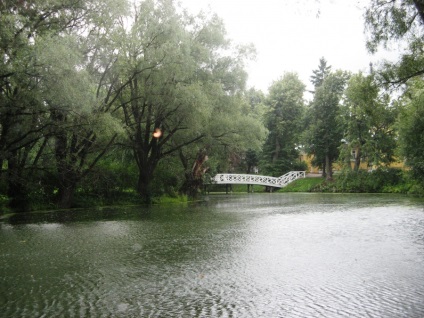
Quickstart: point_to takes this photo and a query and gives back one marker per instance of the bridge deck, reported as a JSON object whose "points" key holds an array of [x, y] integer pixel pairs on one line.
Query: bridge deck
{"points": [[232, 178]]}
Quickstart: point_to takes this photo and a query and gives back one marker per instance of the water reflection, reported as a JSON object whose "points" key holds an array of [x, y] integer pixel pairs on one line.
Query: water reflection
{"points": [[288, 255]]}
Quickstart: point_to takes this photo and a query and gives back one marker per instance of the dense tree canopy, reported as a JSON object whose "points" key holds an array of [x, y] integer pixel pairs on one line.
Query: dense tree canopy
{"points": [[285, 108], [411, 128], [105, 97], [181, 79], [79, 78], [402, 21], [369, 122], [325, 131], [43, 83]]}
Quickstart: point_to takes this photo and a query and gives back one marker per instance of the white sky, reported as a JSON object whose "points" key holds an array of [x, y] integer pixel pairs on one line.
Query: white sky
{"points": [[290, 36]]}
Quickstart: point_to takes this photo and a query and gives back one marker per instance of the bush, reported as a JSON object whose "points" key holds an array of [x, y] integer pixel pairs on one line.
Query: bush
{"points": [[386, 177], [377, 181], [4, 201], [416, 189], [300, 166]]}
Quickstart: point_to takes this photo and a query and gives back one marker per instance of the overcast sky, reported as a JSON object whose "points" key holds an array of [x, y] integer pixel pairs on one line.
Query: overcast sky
{"points": [[292, 35]]}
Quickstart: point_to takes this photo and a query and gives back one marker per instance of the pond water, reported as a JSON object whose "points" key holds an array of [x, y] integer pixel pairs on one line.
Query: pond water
{"points": [[257, 255]]}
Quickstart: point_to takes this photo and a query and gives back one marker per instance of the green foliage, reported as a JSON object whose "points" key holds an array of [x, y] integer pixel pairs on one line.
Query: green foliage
{"points": [[323, 135], [48, 105], [285, 107], [389, 22], [111, 177], [368, 122], [168, 178], [378, 181], [251, 160], [411, 128], [179, 73], [393, 22], [319, 75], [415, 189], [4, 201], [85, 83]]}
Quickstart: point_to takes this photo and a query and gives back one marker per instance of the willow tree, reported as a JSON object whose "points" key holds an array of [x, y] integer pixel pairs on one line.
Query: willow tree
{"points": [[80, 131], [24, 121], [230, 132], [175, 74], [154, 90], [256, 99]]}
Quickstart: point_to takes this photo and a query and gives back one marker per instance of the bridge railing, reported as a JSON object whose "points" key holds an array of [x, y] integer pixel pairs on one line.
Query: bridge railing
{"points": [[233, 178], [290, 176]]}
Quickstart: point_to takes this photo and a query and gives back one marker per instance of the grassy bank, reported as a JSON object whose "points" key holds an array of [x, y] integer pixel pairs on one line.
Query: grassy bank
{"points": [[88, 200], [302, 185], [378, 181]]}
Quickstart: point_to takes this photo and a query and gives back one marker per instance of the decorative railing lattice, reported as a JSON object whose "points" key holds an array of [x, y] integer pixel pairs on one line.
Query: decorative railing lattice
{"points": [[280, 182]]}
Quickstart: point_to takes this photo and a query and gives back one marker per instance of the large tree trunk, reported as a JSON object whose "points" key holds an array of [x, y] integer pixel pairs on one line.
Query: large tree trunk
{"points": [[357, 159], [146, 162], [144, 184], [277, 151], [18, 194], [194, 177], [328, 168], [68, 181], [324, 168], [66, 170], [66, 196], [17, 188]]}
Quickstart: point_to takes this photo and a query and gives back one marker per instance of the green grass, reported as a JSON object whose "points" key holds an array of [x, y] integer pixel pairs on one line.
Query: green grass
{"points": [[302, 185], [170, 200]]}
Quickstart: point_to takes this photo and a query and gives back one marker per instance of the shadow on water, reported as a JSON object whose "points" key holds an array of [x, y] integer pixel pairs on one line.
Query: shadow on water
{"points": [[80, 215], [235, 203]]}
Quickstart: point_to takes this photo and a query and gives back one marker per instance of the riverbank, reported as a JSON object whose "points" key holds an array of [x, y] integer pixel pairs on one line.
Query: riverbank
{"points": [[379, 181], [129, 198]]}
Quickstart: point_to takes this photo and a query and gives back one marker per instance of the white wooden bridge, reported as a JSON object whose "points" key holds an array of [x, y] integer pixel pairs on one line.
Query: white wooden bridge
{"points": [[278, 182]]}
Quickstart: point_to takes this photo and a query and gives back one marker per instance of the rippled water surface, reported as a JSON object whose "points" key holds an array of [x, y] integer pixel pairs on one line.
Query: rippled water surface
{"points": [[258, 255]]}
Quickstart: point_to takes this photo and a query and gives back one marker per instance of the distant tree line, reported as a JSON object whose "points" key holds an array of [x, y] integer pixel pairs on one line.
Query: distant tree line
{"points": [[99, 99]]}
